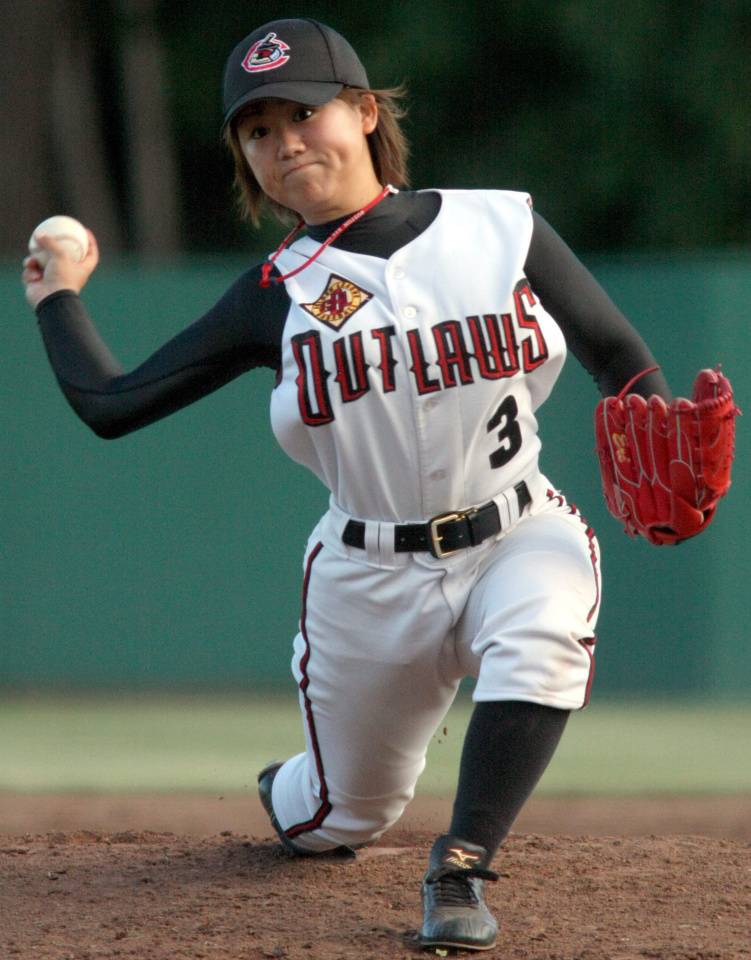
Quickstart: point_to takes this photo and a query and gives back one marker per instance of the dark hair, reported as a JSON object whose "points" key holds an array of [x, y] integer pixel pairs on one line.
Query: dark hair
{"points": [[388, 147]]}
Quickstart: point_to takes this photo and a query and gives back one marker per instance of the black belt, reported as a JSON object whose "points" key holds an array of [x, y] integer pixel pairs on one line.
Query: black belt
{"points": [[444, 534]]}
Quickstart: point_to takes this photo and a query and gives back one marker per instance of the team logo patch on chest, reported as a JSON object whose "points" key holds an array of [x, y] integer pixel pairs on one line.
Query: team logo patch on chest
{"points": [[338, 302]]}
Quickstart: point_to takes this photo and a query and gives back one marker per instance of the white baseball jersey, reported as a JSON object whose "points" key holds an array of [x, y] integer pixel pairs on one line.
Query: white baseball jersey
{"points": [[409, 385]]}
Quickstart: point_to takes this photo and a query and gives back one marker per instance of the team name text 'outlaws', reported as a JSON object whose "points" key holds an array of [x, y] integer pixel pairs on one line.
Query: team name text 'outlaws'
{"points": [[491, 346]]}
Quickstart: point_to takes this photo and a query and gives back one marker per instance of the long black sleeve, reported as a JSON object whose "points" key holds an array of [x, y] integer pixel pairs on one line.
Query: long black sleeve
{"points": [[242, 331], [596, 332]]}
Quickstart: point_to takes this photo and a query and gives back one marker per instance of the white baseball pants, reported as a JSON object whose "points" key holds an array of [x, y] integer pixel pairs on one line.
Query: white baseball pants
{"points": [[385, 640]]}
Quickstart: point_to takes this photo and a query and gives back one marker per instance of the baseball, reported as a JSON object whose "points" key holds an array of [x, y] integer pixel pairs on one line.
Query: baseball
{"points": [[64, 229]]}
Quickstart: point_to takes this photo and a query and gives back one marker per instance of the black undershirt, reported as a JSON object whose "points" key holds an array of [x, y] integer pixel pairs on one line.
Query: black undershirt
{"points": [[244, 328]]}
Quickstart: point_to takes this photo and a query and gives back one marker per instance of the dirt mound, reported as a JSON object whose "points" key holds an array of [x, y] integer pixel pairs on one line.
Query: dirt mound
{"points": [[87, 895]]}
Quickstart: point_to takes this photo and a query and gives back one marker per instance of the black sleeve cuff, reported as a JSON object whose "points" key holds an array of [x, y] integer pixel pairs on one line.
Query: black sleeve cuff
{"points": [[53, 297]]}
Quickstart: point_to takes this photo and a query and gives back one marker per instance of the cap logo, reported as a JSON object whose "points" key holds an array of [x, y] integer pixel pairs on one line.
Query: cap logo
{"points": [[266, 54]]}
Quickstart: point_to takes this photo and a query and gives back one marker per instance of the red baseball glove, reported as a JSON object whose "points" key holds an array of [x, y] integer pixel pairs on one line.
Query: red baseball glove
{"points": [[665, 466]]}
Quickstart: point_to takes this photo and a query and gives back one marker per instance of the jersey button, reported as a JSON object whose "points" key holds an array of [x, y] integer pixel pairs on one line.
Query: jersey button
{"points": [[410, 313], [438, 475]]}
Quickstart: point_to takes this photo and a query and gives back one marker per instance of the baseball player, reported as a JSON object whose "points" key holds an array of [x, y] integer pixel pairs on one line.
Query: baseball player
{"points": [[414, 335]]}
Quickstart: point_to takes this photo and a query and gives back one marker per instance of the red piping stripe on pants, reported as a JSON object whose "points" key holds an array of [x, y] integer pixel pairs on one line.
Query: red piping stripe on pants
{"points": [[325, 808], [587, 643]]}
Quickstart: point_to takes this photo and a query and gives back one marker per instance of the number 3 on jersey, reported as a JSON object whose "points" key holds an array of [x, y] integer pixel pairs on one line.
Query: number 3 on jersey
{"points": [[510, 434]]}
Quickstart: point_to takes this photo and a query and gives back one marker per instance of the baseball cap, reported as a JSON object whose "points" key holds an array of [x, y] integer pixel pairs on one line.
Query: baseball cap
{"points": [[301, 60]]}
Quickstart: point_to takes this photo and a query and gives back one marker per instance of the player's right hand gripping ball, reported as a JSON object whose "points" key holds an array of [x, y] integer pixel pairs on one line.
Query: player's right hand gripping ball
{"points": [[665, 466]]}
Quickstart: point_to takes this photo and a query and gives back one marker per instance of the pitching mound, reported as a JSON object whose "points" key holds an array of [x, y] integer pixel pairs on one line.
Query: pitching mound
{"points": [[159, 896]]}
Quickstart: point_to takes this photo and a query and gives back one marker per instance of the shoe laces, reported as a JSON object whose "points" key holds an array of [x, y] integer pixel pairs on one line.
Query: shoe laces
{"points": [[455, 888]]}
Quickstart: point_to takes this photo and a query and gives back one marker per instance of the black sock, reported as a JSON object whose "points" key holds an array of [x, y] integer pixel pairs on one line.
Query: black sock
{"points": [[506, 750]]}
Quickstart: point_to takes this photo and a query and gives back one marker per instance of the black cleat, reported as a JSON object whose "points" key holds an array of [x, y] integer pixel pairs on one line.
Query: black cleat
{"points": [[454, 913]]}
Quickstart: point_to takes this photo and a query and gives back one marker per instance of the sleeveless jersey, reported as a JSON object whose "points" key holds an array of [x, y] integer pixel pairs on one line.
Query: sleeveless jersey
{"points": [[408, 385]]}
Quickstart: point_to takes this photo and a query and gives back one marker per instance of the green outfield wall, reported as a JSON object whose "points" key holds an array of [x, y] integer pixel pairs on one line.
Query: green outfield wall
{"points": [[171, 557]]}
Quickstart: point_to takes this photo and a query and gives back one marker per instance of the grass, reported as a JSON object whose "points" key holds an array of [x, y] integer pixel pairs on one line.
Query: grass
{"points": [[215, 745]]}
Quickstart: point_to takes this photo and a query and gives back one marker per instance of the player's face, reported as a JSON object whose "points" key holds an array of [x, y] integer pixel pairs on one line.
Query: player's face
{"points": [[314, 160]]}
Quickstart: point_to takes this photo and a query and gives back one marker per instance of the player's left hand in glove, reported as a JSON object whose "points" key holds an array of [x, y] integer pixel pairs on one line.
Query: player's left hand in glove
{"points": [[665, 466]]}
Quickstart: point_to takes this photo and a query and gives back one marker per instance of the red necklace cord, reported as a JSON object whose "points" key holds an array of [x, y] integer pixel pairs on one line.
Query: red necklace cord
{"points": [[267, 267]]}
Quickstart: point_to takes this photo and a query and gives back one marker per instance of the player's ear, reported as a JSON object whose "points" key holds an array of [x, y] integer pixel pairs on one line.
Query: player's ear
{"points": [[368, 112]]}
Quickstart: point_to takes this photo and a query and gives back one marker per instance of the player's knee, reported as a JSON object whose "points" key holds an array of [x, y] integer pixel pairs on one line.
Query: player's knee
{"points": [[361, 821]]}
